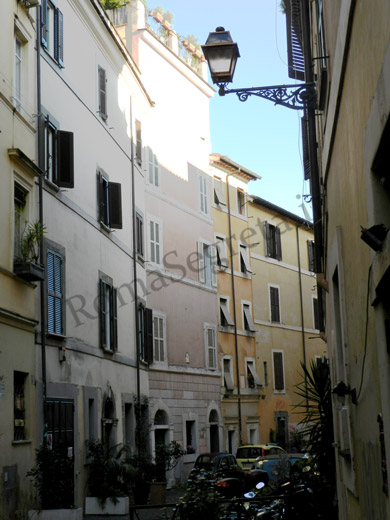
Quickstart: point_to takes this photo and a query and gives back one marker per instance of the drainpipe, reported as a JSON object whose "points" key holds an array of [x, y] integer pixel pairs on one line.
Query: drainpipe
{"points": [[314, 170], [234, 316], [137, 339], [302, 316], [40, 205]]}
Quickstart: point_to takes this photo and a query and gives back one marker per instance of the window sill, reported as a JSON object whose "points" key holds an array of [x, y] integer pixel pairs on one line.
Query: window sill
{"points": [[109, 351], [105, 227], [21, 442], [52, 185], [53, 335]]}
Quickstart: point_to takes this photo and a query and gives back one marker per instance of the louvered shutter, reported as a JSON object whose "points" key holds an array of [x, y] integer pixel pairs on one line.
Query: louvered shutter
{"points": [[102, 314], [274, 297], [115, 205], [114, 318], [278, 244], [148, 320], [44, 23], [65, 159], [268, 239], [310, 251], [54, 293], [102, 200], [213, 258], [102, 93], [201, 262], [305, 148], [278, 371], [296, 62], [60, 38]]}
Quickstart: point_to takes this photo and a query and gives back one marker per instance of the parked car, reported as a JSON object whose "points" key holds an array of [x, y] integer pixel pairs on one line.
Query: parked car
{"points": [[246, 455], [278, 466], [222, 470]]}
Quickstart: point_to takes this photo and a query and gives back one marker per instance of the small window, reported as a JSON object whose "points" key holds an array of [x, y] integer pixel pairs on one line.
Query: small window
{"points": [[110, 202], [20, 401], [139, 243], [219, 192], [58, 158], [55, 292], [203, 194], [155, 242], [221, 250], [225, 318], [311, 255], [273, 241], [52, 32], [190, 436], [153, 169], [138, 147], [252, 377], [159, 338], [108, 315], [18, 72], [244, 260], [247, 318], [274, 304], [316, 317], [92, 420], [278, 371], [102, 86], [241, 202], [227, 374], [207, 264], [211, 348]]}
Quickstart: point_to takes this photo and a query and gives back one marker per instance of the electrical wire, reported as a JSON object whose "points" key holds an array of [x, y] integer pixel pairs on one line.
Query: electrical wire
{"points": [[365, 334]]}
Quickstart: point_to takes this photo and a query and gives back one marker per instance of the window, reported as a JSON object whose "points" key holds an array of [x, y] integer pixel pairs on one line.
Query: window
{"points": [[190, 437], [207, 264], [240, 202], [311, 255], [20, 379], [273, 241], [55, 292], [110, 202], [252, 377], [92, 419], [220, 244], [138, 147], [211, 347], [277, 357], [58, 157], [155, 242], [247, 318], [53, 31], [139, 229], [20, 206], [219, 191], [274, 304], [227, 374], [225, 318], [153, 169], [102, 86], [316, 317], [244, 260], [203, 194], [159, 338], [145, 333], [265, 365], [18, 73], [108, 315]]}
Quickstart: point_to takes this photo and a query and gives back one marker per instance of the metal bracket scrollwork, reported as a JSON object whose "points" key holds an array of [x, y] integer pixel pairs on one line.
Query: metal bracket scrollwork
{"points": [[296, 97]]}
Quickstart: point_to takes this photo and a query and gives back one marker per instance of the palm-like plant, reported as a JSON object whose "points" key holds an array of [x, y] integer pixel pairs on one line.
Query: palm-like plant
{"points": [[317, 423]]}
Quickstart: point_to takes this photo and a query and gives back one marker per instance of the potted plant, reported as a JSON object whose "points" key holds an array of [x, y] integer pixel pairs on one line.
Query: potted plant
{"points": [[53, 477], [166, 458], [26, 263], [144, 472], [109, 480]]}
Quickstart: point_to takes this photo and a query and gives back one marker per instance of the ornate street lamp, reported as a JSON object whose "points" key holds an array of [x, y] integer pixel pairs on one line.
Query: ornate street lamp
{"points": [[221, 54]]}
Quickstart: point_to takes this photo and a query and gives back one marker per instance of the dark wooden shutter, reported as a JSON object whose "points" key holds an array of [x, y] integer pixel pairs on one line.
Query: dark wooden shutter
{"points": [[278, 371], [102, 93], [102, 314], [311, 254], [115, 205], [148, 313], [102, 202], [296, 61], [305, 148], [316, 314], [44, 23], [274, 297], [114, 319], [278, 244], [65, 159], [268, 238]]}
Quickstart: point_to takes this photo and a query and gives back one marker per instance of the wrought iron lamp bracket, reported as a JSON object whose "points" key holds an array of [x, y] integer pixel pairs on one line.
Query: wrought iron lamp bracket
{"points": [[296, 97]]}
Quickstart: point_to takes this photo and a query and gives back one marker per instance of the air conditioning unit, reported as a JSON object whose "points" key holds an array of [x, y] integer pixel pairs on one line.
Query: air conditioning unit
{"points": [[32, 3]]}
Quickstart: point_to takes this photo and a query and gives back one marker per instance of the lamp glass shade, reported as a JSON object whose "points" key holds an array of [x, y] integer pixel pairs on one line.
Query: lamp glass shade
{"points": [[221, 54]]}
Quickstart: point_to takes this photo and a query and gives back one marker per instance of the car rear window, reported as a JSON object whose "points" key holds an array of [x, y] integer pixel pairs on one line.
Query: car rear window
{"points": [[205, 461], [249, 453]]}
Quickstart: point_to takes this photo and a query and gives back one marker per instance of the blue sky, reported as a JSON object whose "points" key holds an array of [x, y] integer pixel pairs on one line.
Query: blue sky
{"points": [[256, 134]]}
